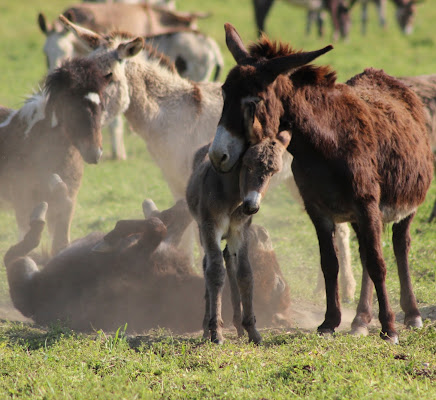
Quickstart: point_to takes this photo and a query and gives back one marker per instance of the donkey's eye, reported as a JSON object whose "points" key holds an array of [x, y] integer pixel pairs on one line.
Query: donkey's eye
{"points": [[108, 76]]}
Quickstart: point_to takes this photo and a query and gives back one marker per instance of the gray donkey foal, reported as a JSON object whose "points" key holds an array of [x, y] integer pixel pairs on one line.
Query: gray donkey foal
{"points": [[222, 205]]}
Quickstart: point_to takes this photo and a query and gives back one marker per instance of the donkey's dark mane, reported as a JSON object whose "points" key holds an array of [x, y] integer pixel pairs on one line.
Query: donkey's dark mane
{"points": [[75, 77], [266, 49], [152, 53]]}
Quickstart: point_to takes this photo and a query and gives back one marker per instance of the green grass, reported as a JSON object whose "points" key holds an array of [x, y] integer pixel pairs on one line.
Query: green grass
{"points": [[53, 362]]}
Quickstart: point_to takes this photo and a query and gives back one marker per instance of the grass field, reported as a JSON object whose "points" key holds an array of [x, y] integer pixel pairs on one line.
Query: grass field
{"points": [[54, 362]]}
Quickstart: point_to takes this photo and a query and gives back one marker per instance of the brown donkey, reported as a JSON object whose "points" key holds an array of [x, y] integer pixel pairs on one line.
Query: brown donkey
{"points": [[361, 154], [53, 133], [222, 205]]}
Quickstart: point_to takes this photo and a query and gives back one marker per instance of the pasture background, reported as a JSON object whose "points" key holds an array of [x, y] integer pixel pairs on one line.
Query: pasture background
{"points": [[68, 365]]}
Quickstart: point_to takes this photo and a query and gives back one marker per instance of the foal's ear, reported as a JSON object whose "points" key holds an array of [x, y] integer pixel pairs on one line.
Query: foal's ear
{"points": [[284, 137], [90, 39], [131, 48]]}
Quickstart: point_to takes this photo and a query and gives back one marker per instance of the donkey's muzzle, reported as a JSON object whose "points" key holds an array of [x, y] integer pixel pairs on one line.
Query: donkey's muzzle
{"points": [[250, 208], [92, 155]]}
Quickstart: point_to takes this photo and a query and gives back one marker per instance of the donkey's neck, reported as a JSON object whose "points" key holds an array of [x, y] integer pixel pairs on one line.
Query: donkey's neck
{"points": [[173, 115], [305, 112]]}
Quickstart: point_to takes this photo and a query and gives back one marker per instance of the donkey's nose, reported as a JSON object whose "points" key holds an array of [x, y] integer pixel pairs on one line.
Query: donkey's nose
{"points": [[250, 208]]}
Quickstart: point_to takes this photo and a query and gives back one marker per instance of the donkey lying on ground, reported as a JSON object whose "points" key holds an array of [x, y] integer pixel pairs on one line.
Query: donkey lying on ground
{"points": [[132, 275], [337, 9], [174, 116], [361, 154], [222, 205], [196, 56], [51, 133], [404, 13]]}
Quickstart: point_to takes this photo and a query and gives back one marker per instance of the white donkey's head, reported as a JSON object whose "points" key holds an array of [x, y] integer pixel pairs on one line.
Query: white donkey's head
{"points": [[110, 55], [60, 44]]}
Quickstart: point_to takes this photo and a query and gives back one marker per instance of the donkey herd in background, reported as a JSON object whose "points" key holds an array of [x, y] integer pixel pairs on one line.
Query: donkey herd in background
{"points": [[270, 113]]}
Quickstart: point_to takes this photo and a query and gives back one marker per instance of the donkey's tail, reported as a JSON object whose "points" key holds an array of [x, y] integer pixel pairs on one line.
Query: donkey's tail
{"points": [[20, 268]]}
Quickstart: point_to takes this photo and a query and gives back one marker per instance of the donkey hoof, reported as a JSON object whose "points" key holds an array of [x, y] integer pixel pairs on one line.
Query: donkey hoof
{"points": [[148, 207], [325, 331], [413, 322], [54, 181], [39, 212], [255, 338], [360, 330], [216, 338], [390, 337]]}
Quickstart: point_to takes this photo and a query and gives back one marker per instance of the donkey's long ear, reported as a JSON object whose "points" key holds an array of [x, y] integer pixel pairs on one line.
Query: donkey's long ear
{"points": [[43, 24], [285, 64], [90, 39], [131, 48], [235, 45]]}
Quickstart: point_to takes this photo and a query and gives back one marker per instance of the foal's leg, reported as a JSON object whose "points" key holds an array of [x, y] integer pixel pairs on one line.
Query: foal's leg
{"points": [[401, 240], [330, 268], [206, 318], [231, 265], [363, 317], [215, 277], [370, 228], [245, 283]]}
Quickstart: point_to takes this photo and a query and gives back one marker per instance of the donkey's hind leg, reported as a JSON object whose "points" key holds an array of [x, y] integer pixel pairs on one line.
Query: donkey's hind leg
{"points": [[60, 213], [231, 266], [401, 241], [245, 282]]}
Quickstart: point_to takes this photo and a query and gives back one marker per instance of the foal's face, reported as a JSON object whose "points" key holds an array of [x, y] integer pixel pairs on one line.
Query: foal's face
{"points": [[259, 163], [80, 118]]}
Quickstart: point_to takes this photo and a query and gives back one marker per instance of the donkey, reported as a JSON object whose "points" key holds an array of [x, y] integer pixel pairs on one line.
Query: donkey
{"points": [[139, 19], [361, 154], [134, 275], [175, 117], [222, 205], [196, 56], [405, 13], [337, 9], [54, 131]]}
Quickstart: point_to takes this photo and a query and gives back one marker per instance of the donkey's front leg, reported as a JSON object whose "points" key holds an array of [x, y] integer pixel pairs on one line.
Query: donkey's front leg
{"points": [[214, 276], [330, 268], [230, 260], [60, 213]]}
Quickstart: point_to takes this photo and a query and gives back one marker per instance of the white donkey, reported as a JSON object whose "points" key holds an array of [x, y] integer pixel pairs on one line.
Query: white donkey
{"points": [[196, 56], [174, 116]]}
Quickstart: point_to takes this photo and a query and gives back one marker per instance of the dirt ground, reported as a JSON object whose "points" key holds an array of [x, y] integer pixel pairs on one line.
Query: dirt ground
{"points": [[305, 315]]}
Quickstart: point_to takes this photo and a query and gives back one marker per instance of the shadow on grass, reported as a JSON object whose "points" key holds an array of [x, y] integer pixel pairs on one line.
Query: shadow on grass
{"points": [[31, 336]]}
